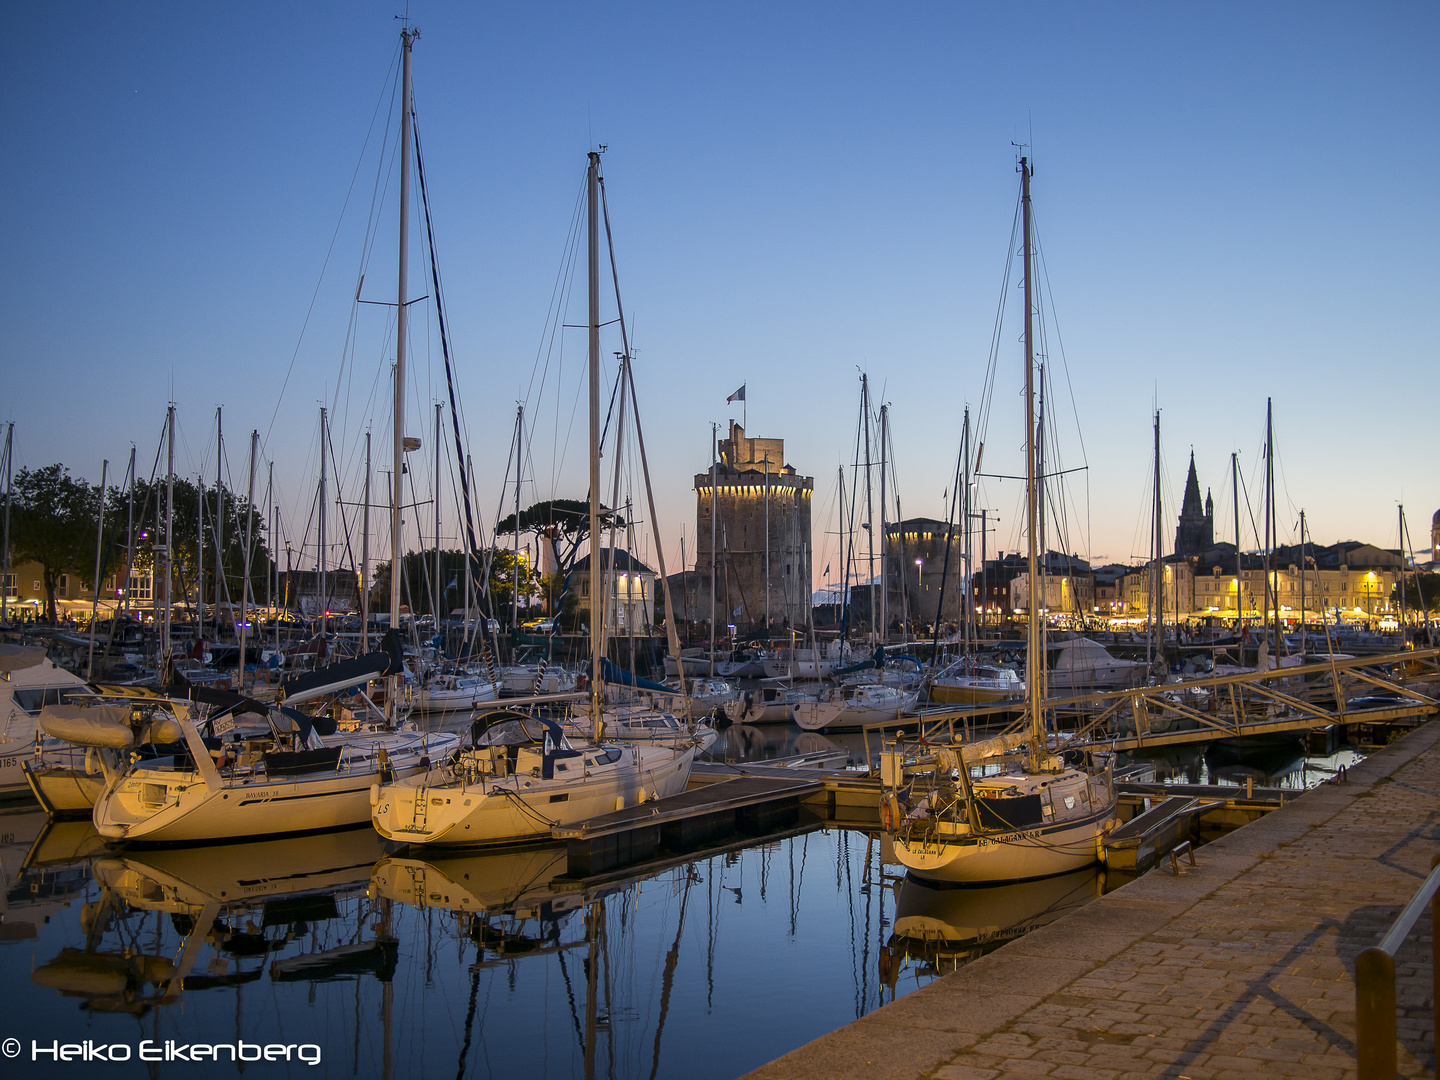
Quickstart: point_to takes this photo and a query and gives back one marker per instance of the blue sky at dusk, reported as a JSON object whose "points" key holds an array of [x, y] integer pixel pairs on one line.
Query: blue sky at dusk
{"points": [[1234, 201]]}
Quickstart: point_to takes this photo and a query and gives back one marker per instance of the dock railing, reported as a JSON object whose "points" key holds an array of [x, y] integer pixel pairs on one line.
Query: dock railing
{"points": [[1375, 1037]]}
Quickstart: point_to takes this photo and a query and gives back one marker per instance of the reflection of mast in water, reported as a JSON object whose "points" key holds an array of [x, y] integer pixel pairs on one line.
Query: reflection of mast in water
{"points": [[672, 959]]}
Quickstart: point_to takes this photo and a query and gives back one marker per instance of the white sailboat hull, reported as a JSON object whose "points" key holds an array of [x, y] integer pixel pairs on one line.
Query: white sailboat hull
{"points": [[523, 806], [976, 858], [160, 805]]}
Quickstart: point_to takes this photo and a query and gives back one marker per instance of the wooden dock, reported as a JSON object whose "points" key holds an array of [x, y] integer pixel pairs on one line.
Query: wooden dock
{"points": [[718, 805]]}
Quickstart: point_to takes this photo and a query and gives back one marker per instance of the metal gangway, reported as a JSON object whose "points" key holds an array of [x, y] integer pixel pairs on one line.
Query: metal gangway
{"points": [[1362, 689]]}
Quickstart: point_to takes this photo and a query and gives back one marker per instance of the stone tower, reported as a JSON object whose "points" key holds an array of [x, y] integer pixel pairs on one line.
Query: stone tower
{"points": [[754, 488], [1196, 532]]}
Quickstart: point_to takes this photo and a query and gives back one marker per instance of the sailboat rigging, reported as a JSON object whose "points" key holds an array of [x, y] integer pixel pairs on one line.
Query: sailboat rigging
{"points": [[1028, 817]]}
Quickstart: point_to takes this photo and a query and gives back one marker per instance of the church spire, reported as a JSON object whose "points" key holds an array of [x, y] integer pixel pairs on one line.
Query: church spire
{"points": [[1196, 530]]}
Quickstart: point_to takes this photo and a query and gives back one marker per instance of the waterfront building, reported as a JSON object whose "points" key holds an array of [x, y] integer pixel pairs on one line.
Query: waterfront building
{"points": [[1067, 587], [629, 590], [758, 513]]}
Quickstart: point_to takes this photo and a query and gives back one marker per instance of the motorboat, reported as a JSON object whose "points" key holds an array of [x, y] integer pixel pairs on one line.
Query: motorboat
{"points": [[29, 681], [968, 681], [1078, 665]]}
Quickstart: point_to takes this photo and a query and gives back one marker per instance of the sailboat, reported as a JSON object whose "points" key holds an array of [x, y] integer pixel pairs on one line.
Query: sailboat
{"points": [[1026, 817], [520, 775], [303, 776]]}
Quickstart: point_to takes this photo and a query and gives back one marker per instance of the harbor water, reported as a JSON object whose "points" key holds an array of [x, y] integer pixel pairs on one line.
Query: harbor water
{"points": [[371, 960]]}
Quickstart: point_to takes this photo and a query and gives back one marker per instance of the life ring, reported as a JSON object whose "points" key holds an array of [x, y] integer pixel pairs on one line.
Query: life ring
{"points": [[92, 762], [889, 812]]}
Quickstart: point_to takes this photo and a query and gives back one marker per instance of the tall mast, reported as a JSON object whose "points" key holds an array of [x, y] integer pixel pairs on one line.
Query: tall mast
{"points": [[99, 551], [270, 545], [884, 607], [168, 561], [844, 566], [1302, 578], [714, 525], [968, 609], [245, 570], [1239, 564], [612, 594], [869, 502], [519, 446], [597, 627], [219, 522], [129, 529], [1157, 580], [5, 555], [200, 556], [1402, 568], [1034, 634], [435, 604], [365, 557], [320, 518], [407, 39], [1270, 531]]}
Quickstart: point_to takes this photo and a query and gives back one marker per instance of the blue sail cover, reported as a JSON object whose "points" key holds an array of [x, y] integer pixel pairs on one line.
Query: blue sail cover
{"points": [[612, 674]]}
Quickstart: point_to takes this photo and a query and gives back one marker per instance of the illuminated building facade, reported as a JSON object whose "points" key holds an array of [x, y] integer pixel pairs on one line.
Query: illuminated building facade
{"points": [[758, 514]]}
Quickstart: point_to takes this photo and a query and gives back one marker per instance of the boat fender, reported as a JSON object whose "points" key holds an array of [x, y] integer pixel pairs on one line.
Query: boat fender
{"points": [[92, 761], [889, 812], [374, 795]]}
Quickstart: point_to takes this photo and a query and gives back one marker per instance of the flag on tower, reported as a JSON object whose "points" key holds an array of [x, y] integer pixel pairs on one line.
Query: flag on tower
{"points": [[738, 395]]}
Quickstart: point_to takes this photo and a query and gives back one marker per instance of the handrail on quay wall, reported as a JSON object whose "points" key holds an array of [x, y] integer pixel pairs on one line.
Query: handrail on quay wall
{"points": [[1375, 1037]]}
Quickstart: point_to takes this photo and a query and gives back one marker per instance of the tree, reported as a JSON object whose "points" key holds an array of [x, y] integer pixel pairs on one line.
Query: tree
{"points": [[1419, 586], [53, 524], [416, 586], [222, 582], [558, 519], [564, 523]]}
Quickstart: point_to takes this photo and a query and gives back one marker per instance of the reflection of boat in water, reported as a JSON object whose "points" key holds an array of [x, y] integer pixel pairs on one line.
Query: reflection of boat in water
{"points": [[474, 884], [942, 927], [185, 879], [44, 867], [248, 902]]}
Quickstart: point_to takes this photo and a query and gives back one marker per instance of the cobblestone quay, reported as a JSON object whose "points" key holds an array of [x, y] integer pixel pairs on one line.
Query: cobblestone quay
{"points": [[1243, 966]]}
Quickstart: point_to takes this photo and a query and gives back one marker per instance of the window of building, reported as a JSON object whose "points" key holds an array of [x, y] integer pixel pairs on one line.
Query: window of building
{"points": [[11, 586], [62, 587], [139, 589]]}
